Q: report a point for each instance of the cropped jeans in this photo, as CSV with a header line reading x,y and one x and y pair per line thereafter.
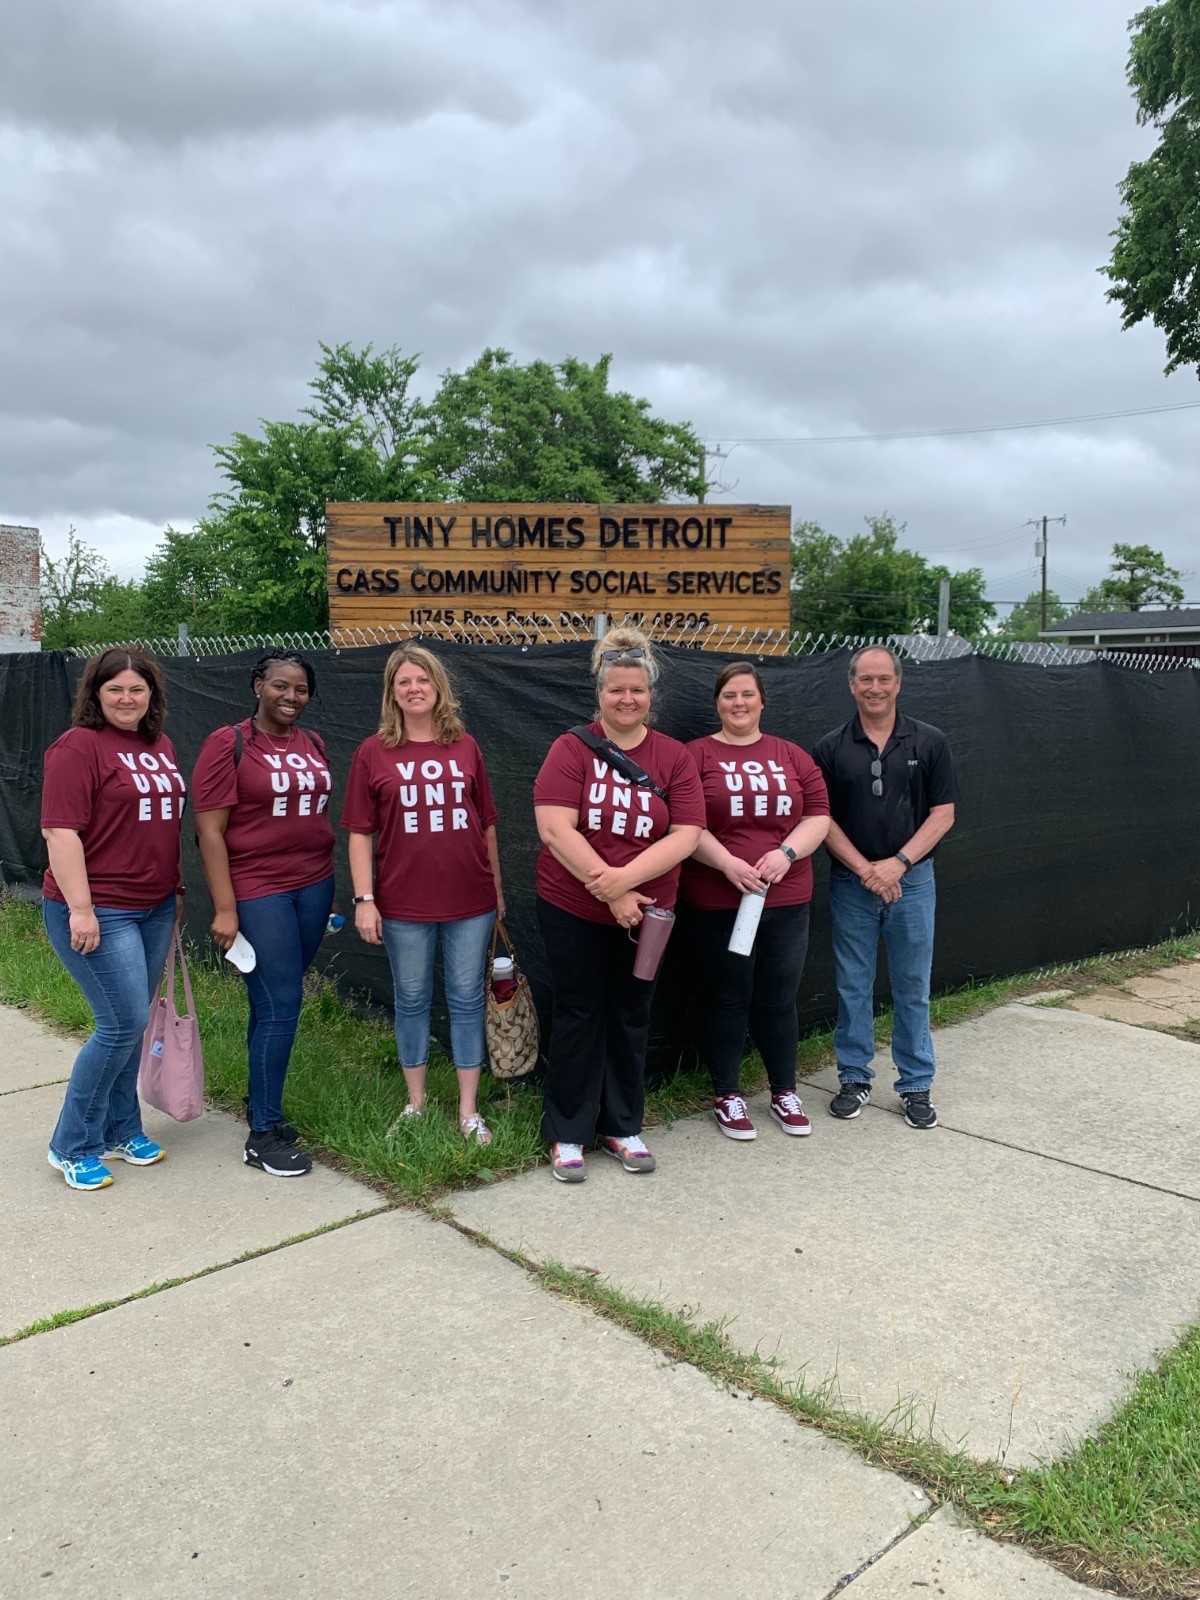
x,y
410,950
119,978
860,918
286,931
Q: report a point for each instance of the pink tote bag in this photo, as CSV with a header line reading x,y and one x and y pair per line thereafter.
x,y
171,1076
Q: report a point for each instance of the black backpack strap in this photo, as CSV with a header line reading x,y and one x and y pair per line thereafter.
x,y
618,760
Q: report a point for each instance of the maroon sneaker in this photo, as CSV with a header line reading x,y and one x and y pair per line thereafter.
x,y
788,1112
732,1118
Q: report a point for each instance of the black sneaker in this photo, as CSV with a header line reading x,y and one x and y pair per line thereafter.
x,y
918,1113
284,1129
273,1154
849,1100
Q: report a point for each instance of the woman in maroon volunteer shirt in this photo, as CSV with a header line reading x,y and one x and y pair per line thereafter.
x,y
112,803
766,812
261,791
426,868
610,847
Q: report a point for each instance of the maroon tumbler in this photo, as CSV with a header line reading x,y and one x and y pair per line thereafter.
x,y
652,941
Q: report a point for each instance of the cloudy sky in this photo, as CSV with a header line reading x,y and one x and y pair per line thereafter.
x,y
786,221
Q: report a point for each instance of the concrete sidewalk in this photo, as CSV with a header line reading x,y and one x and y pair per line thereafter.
x,y
389,1409
1001,1276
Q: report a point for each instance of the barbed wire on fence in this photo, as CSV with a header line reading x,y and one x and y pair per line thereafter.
x,y
535,630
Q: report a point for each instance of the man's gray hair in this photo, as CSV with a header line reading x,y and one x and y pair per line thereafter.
x,y
884,650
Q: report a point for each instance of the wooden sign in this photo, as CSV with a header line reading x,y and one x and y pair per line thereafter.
x,y
531,573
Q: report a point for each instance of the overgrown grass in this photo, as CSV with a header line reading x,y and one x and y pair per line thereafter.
x,y
1123,1511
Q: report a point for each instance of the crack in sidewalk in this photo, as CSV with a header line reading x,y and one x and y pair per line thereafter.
x,y
848,1578
1041,1155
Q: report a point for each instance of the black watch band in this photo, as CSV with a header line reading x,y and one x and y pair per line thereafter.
x,y
900,856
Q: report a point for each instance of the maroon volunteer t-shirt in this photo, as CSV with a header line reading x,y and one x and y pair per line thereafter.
x,y
754,795
429,806
617,819
125,799
279,835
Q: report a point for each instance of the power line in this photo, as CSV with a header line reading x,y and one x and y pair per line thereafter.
x,y
950,433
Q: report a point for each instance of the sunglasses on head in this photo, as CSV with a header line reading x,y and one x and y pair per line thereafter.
x,y
633,653
877,777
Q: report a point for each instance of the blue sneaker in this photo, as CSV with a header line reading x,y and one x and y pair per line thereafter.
x,y
138,1151
90,1173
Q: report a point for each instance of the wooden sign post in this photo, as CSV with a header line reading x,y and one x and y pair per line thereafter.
x,y
537,573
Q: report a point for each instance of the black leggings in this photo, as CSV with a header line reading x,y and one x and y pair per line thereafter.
x,y
757,991
596,1065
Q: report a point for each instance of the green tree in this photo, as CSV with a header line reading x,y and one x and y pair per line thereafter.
x,y
1155,264
1138,577
1024,621
867,586
498,431
82,602
501,431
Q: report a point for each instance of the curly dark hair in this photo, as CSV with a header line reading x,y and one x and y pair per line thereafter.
x,y
101,669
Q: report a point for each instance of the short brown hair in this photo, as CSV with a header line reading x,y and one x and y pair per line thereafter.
x,y
447,724
738,669
109,664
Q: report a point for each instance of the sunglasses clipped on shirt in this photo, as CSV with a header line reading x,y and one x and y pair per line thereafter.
x,y
877,777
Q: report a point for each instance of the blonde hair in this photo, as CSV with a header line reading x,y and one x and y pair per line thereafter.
x,y
614,644
447,724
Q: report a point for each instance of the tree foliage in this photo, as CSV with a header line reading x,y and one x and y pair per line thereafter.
x,y
82,601
498,431
501,431
868,586
1024,621
1138,577
1155,264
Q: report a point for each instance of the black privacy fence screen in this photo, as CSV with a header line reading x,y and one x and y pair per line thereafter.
x,y
1078,830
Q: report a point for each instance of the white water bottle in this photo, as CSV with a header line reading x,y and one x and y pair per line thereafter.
x,y
745,924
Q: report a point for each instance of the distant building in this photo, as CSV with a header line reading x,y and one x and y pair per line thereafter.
x,y
20,603
1164,633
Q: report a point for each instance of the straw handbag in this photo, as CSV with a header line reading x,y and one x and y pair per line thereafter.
x,y
510,1026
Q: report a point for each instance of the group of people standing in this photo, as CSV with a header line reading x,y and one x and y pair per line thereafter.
x,y
630,821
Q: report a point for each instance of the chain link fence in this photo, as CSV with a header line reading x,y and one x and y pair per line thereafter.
x,y
760,642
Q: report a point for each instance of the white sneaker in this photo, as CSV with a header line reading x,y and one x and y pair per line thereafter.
x,y
566,1163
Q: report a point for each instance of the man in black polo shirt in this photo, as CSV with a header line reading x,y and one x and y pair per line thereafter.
x,y
892,792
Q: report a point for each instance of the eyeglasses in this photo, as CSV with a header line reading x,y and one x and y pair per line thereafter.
x,y
877,778
633,653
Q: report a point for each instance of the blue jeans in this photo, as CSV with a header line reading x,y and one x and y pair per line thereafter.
x,y
410,949
859,918
118,979
286,931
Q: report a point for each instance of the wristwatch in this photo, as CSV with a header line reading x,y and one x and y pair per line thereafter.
x,y
900,856
788,851
364,899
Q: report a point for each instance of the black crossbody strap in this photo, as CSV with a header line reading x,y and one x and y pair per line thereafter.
x,y
618,760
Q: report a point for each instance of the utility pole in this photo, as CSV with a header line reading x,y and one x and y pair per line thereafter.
x,y
1040,548
943,608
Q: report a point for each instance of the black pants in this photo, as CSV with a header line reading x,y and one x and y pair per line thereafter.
x,y
757,991
596,1068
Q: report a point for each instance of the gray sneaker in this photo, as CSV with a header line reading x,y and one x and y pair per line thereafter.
x,y
849,1101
